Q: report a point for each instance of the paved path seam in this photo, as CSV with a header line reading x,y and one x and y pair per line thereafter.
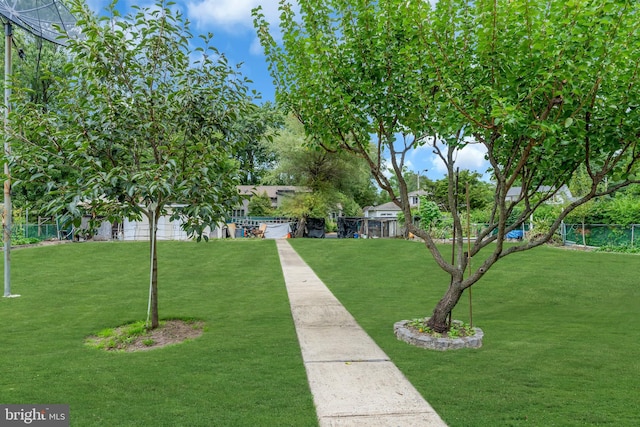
x,y
353,382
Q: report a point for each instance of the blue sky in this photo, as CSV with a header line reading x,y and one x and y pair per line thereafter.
x,y
232,25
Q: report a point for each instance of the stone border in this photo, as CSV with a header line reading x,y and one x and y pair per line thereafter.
x,y
407,335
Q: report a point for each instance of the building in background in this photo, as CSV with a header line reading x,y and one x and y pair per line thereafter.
x,y
390,209
276,193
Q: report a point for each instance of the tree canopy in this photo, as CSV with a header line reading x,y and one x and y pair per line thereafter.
x,y
254,155
34,71
480,192
543,87
142,124
335,177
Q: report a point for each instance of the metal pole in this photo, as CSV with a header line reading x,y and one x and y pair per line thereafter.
x,y
8,31
454,210
469,256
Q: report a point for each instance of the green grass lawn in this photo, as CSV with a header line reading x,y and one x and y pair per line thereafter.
x,y
562,339
246,370
562,343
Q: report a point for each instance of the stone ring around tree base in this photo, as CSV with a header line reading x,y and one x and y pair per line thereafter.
x,y
407,334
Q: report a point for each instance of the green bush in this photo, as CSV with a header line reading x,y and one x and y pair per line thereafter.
x,y
626,248
17,241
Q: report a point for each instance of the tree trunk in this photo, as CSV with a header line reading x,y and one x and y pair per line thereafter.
x,y
153,228
438,320
302,223
154,287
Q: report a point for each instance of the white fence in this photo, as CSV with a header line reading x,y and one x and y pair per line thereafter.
x,y
139,230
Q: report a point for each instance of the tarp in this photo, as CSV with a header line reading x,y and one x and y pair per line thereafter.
x,y
515,234
347,227
277,231
314,228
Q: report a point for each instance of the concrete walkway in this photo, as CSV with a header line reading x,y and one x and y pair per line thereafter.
x,y
352,380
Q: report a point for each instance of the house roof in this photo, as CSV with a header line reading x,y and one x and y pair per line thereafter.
x,y
271,190
514,191
563,190
389,206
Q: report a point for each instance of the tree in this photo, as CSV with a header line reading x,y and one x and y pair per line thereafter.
x,y
579,185
34,71
260,205
339,177
429,214
543,86
255,156
37,65
480,192
146,130
623,209
412,179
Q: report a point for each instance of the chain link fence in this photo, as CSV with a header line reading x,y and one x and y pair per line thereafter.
x,y
43,231
596,235
600,234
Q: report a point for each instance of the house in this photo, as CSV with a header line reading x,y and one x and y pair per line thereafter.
x,y
562,195
385,210
390,209
126,229
172,230
277,193
414,197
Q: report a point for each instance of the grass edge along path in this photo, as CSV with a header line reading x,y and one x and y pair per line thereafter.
x,y
246,369
561,338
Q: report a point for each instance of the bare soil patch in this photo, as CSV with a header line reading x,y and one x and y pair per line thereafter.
x,y
169,332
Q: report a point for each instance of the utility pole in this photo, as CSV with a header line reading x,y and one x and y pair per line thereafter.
x,y
6,219
418,176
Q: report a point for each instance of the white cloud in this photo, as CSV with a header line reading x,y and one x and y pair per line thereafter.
x,y
97,5
469,157
256,47
229,15
387,170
